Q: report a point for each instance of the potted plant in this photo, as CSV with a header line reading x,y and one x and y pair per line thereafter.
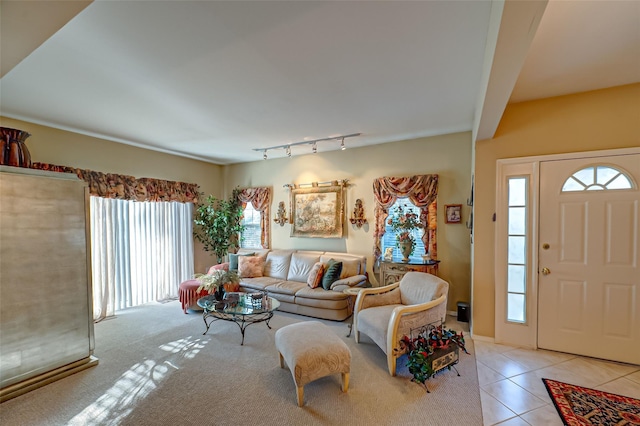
x,y
403,223
218,282
218,224
432,350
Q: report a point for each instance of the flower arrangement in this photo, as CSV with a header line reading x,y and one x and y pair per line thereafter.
x,y
403,222
424,345
215,281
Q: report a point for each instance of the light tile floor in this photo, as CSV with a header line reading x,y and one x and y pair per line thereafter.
x,y
511,387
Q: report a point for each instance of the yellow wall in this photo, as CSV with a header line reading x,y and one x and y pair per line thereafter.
x,y
603,119
449,156
49,145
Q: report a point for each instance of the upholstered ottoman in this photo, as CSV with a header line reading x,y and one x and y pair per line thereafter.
x,y
312,350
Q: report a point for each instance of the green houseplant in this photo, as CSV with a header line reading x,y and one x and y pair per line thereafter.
x,y
218,223
422,348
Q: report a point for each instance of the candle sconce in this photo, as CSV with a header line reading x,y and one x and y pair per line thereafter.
x,y
357,218
281,215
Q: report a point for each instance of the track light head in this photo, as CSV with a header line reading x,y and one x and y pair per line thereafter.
x,y
288,150
264,155
314,148
342,147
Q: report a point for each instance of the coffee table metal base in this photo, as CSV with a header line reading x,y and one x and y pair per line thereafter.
x,y
242,321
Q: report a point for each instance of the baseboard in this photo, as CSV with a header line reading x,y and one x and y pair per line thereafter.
x,y
46,378
482,338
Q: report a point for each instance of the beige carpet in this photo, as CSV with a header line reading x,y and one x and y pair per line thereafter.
x,y
156,368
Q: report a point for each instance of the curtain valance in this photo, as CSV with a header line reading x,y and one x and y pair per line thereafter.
x,y
260,199
422,190
109,185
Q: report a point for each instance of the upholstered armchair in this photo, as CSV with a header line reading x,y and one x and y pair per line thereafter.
x,y
385,314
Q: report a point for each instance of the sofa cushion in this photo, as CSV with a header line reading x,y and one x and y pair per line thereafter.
x,y
315,276
301,265
307,292
332,271
260,283
351,264
286,287
277,264
250,266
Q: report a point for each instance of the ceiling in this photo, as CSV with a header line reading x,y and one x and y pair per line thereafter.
x,y
217,80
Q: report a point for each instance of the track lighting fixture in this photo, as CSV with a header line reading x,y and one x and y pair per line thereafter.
x,y
314,144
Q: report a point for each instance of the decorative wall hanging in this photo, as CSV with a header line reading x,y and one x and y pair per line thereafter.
x,y
317,211
453,213
357,217
281,215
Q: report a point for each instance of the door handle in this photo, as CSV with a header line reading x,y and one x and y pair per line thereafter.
x,y
545,271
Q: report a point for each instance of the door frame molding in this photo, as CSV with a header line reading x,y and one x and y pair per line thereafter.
x,y
525,335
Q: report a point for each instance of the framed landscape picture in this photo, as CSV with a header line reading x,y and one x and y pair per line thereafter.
x,y
453,213
317,212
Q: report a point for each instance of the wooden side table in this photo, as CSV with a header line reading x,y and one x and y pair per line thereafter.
x,y
392,271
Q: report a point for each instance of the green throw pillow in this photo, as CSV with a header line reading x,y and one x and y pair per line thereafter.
x,y
332,272
233,260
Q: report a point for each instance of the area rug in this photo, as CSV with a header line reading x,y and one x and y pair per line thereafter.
x,y
580,406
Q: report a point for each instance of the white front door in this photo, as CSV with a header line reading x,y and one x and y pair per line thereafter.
x,y
589,257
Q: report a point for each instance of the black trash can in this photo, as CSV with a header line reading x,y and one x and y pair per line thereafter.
x,y
464,312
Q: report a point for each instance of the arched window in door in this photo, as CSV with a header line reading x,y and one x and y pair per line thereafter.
x,y
597,178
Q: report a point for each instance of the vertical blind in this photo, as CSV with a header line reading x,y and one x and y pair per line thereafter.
x,y
140,252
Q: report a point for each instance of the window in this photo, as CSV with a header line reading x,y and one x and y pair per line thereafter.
x,y
596,178
389,237
250,237
517,249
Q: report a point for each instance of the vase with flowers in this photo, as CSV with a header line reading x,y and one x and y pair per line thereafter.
x,y
403,222
217,282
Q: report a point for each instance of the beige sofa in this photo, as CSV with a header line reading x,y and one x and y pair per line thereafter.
x,y
285,276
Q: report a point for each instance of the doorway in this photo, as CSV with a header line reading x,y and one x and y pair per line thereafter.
x,y
579,235
588,261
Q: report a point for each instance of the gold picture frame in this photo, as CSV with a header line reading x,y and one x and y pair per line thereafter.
x,y
317,212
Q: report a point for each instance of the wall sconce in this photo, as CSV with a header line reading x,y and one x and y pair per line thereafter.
x,y
281,215
357,218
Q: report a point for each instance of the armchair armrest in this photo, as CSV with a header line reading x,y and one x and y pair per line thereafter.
x,y
392,331
367,293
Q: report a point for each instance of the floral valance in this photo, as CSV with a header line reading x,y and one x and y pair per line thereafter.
x,y
109,185
422,190
260,199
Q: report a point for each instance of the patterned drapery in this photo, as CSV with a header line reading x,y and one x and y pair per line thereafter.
x,y
109,185
422,190
260,198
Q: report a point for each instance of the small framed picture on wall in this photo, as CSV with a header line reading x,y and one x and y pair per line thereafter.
x,y
453,213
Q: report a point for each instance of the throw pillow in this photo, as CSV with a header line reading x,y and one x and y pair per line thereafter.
x,y
250,266
233,260
332,272
315,276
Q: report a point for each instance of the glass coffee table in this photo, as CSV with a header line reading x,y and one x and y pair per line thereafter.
x,y
243,309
